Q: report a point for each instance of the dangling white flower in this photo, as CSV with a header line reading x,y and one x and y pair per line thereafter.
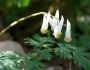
x,y
57,30
50,20
68,32
61,23
56,33
45,23
54,20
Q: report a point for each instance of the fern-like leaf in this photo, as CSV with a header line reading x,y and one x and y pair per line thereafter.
x,y
38,41
62,51
82,59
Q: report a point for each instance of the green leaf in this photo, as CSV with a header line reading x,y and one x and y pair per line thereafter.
x,y
10,55
33,64
80,56
19,4
64,51
82,59
47,45
67,46
37,50
8,60
44,39
22,3
32,42
1,66
49,39
26,3
30,56
37,37
45,54
11,65
38,41
86,54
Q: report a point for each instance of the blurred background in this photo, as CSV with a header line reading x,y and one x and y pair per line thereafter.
x,y
77,11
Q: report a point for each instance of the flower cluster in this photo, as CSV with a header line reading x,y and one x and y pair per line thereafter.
x,y
56,26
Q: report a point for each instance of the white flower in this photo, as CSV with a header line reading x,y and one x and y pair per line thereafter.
x,y
45,23
57,34
54,20
57,30
61,23
50,20
68,32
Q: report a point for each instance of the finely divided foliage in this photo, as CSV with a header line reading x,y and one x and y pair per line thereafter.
x,y
78,54
43,48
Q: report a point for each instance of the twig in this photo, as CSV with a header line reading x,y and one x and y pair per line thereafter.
x,y
21,19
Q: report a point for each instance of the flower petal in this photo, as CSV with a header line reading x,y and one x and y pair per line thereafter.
x,y
61,23
55,21
45,23
57,32
68,32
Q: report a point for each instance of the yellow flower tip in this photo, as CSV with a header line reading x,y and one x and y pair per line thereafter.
x,y
44,30
58,34
67,39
